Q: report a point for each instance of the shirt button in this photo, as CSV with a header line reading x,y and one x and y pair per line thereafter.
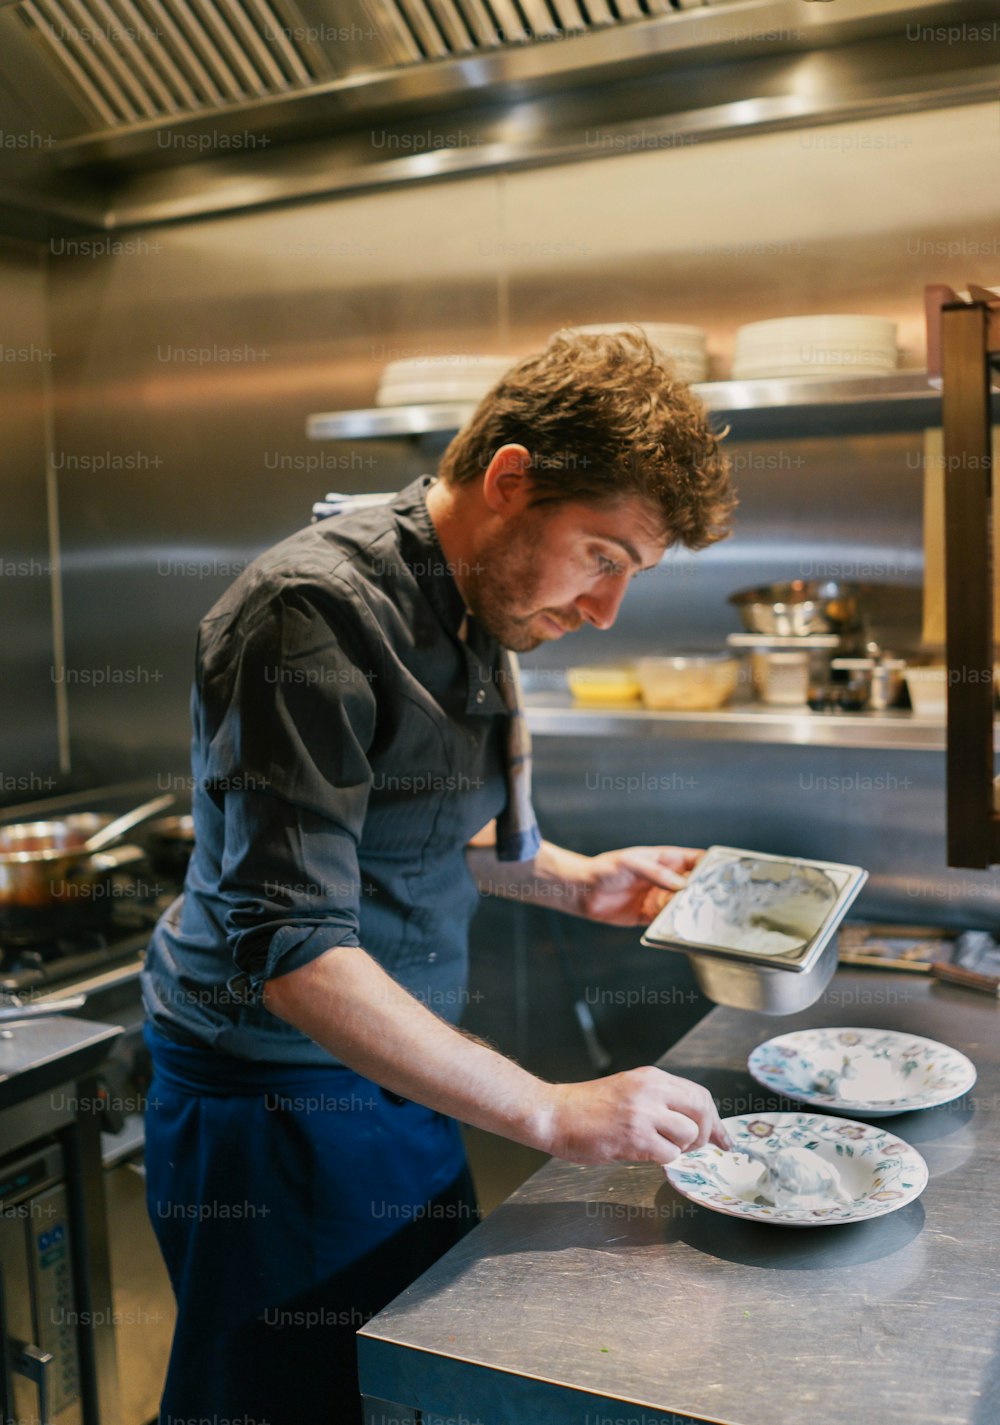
x,y
481,695
432,956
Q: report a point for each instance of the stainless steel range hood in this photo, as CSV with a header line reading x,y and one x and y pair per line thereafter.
x,y
117,112
127,62
125,66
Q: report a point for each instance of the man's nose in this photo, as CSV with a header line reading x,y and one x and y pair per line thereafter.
x,y
600,606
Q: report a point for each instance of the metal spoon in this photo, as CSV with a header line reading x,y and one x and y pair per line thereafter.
x,y
124,823
13,1009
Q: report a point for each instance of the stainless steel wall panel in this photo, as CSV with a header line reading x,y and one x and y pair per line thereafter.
x,y
197,351
837,219
29,761
188,363
880,810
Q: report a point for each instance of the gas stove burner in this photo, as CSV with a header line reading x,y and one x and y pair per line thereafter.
x,y
29,970
134,915
22,939
129,903
57,941
56,952
85,944
104,925
34,955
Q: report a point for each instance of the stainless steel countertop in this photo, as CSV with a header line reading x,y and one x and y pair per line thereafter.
x,y
599,1295
36,1054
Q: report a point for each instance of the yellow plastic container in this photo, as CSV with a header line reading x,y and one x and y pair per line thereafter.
x,y
613,686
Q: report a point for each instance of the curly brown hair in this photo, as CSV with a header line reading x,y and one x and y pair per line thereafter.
x,y
604,417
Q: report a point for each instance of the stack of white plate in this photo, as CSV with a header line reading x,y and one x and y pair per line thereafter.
x,y
815,346
684,346
429,380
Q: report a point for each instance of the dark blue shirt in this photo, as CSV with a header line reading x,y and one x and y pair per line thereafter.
x,y
346,746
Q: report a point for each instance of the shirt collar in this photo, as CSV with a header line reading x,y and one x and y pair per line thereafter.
x,y
422,552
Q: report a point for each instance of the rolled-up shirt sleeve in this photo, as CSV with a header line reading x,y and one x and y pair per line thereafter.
x,y
290,701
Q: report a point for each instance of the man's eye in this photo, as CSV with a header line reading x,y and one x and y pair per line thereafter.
x,y
608,566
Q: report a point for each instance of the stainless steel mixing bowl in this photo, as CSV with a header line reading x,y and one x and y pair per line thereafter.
x,y
800,607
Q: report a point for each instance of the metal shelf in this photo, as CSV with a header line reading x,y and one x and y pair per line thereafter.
x,y
806,405
386,422
753,722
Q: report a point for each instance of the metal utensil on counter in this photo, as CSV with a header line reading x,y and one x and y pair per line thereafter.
x,y
12,1009
117,828
969,979
975,963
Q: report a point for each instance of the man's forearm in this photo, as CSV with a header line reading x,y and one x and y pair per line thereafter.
x,y
348,1004
555,877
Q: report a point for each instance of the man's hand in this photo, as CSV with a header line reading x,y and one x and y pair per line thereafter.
x,y
644,1115
631,886
626,887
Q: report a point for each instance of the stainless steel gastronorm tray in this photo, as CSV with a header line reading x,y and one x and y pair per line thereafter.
x,y
846,882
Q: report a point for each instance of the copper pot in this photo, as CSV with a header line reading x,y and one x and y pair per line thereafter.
x,y
46,879
801,607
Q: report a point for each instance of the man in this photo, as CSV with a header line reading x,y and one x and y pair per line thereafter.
x,y
356,756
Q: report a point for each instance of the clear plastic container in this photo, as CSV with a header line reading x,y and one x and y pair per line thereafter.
x,y
690,682
928,690
782,677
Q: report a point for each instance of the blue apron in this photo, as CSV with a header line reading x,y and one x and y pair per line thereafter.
x,y
291,1203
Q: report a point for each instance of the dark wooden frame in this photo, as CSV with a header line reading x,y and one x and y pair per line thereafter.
x,y
964,348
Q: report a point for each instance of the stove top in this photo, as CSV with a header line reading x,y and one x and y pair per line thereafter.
x,y
43,962
111,924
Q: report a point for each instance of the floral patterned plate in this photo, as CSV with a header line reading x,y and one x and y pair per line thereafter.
x,y
873,1072
879,1172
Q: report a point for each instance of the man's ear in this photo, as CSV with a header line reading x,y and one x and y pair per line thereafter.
x,y
507,482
